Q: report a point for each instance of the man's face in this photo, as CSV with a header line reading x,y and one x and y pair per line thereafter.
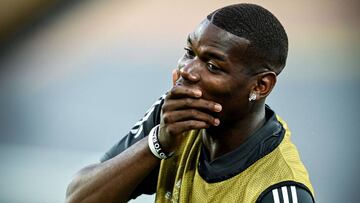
x,y
215,58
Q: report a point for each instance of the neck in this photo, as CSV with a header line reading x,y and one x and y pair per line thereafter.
x,y
223,139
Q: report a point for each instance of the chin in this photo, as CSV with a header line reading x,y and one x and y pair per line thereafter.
x,y
214,129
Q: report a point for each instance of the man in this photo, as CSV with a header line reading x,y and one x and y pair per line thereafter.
x,y
211,138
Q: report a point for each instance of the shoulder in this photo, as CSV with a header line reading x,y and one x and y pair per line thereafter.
x,y
287,193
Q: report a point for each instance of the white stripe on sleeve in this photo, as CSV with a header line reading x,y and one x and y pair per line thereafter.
x,y
294,194
285,194
276,196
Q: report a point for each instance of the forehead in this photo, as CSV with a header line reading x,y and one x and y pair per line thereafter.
x,y
208,35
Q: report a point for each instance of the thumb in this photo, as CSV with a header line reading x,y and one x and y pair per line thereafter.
x,y
175,75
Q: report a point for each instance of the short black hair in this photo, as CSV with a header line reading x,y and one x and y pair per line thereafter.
x,y
268,40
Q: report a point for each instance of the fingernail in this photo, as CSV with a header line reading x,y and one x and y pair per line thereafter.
x,y
216,122
193,77
197,93
218,107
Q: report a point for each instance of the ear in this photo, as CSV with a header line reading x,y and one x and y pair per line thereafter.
x,y
265,83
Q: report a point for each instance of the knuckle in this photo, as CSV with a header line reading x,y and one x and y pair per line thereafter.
x,y
210,105
192,124
209,119
172,91
164,107
188,102
194,112
188,91
169,93
167,97
166,118
169,131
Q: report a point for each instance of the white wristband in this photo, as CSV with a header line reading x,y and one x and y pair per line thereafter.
x,y
154,144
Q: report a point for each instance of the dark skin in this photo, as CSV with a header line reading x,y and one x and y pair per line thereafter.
x,y
211,91
213,66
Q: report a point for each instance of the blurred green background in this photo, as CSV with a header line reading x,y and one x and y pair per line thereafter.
x,y
76,75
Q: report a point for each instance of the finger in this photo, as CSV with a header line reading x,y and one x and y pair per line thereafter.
x,y
182,91
186,103
175,75
189,114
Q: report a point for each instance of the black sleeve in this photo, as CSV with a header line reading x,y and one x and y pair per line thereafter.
x,y
140,130
288,193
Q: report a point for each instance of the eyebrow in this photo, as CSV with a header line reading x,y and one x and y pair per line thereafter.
x,y
215,56
209,54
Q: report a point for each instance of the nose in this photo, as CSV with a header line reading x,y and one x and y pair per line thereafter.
x,y
190,72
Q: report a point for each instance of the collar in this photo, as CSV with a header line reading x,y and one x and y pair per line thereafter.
x,y
259,144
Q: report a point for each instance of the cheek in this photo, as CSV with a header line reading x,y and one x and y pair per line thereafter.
x,y
217,89
221,86
232,95
234,106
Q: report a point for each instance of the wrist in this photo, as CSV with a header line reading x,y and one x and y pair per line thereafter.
x,y
155,146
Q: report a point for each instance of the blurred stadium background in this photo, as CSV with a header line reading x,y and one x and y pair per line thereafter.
x,y
76,75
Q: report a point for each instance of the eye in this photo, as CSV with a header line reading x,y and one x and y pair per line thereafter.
x,y
189,53
212,68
